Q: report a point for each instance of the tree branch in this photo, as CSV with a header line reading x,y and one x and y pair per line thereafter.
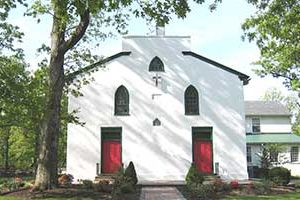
x,y
79,31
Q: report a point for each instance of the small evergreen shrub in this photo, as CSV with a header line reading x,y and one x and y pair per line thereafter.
x,y
123,184
280,175
88,184
194,176
131,173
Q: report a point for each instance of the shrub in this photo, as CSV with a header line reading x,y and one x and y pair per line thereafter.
x,y
131,173
122,184
65,179
88,184
194,176
280,175
220,186
262,173
234,184
103,186
202,191
262,187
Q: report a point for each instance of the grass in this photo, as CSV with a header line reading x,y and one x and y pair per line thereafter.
x,y
289,196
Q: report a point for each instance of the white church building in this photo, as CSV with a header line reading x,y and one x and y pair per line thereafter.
x,y
161,106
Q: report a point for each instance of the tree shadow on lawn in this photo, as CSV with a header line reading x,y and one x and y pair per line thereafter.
x,y
72,193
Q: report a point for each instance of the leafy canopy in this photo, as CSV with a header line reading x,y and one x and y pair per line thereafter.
x,y
275,28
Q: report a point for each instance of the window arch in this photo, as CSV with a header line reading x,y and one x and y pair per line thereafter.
x,y
156,65
191,101
122,101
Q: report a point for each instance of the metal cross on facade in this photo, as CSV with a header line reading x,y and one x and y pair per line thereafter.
x,y
156,78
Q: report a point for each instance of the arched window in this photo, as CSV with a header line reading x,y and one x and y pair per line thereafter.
x,y
156,65
122,101
191,101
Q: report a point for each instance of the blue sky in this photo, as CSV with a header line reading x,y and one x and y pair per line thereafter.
x,y
216,35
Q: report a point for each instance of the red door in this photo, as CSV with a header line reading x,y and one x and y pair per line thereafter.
x,y
111,156
203,156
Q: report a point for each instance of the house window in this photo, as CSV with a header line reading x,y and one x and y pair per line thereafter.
x,y
274,156
191,101
255,125
156,65
122,101
249,157
294,154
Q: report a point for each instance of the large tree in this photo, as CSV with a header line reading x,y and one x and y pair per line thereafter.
x,y
75,23
275,28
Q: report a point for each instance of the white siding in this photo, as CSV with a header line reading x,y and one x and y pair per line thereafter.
x,y
165,152
270,124
284,158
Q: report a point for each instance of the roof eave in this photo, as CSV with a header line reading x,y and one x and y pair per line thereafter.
x,y
243,77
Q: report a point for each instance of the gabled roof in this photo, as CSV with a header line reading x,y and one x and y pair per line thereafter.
x,y
285,138
243,77
73,75
265,108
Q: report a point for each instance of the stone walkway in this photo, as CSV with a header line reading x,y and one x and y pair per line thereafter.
x,y
161,193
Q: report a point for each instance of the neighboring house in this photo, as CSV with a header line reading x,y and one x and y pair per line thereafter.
x,y
269,122
160,105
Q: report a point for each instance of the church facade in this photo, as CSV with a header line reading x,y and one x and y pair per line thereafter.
x,y
161,106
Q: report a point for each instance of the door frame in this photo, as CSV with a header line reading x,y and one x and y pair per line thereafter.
x,y
205,134
106,131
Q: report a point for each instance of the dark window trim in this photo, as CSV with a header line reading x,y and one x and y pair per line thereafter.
x,y
296,159
196,135
257,125
186,106
126,92
156,65
107,130
249,153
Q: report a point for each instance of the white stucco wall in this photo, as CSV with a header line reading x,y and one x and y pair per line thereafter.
x,y
284,158
270,124
165,152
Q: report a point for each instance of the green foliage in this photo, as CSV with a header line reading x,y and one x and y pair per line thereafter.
x,y
265,158
23,97
131,173
202,191
221,186
290,101
276,31
280,175
263,187
122,184
88,184
194,176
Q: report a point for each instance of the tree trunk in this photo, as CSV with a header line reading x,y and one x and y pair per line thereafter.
x,y
6,149
46,175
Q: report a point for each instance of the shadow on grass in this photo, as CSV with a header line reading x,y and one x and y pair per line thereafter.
x,y
71,193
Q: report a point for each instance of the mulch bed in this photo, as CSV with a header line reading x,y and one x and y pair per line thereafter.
x,y
67,192
71,192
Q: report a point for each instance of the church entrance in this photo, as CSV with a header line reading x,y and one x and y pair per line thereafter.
x,y
202,149
111,150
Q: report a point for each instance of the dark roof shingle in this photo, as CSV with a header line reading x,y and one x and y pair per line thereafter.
x,y
266,108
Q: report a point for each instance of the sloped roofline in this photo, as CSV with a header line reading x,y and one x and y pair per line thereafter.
x,y
243,77
73,75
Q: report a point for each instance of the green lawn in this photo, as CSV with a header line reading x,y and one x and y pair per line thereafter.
x,y
15,198
289,196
